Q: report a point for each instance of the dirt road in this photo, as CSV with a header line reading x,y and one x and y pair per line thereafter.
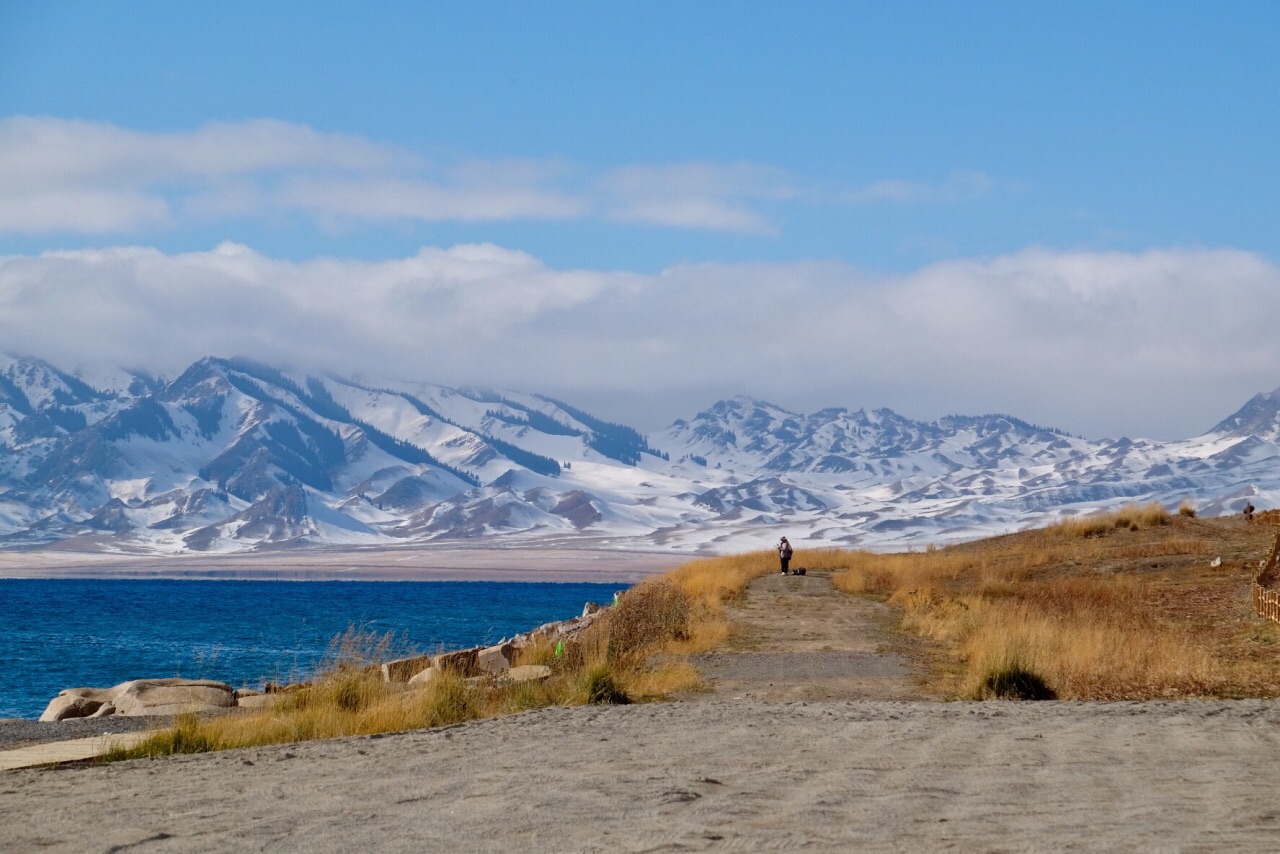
x,y
797,638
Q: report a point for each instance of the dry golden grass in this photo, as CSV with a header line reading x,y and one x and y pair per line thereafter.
x,y
1133,517
664,679
1168,548
1267,517
1122,606
360,703
349,698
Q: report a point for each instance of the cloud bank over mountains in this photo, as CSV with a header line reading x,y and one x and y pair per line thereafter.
x,y
1155,344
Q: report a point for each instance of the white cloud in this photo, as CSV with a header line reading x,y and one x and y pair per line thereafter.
x,y
41,152
62,176
706,214
959,186
707,196
81,209
86,177
1161,343
426,201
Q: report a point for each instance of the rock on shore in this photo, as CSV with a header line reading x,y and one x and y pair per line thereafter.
x,y
140,697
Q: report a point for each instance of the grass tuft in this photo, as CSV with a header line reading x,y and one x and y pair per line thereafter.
x,y
602,689
647,618
187,735
1013,681
1132,517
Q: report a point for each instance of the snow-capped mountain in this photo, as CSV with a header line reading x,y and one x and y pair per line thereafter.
x,y
236,455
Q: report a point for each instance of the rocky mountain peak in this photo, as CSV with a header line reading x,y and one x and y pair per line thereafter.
x,y
1260,417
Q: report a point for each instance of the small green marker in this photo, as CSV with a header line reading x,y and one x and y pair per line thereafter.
x,y
559,649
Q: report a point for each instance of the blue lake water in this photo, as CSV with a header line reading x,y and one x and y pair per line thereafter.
x,y
70,633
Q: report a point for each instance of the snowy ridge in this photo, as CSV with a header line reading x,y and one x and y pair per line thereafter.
x,y
234,455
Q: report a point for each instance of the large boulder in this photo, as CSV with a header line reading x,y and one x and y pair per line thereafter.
x,y
247,698
495,660
528,673
404,669
172,697
462,662
142,697
566,629
426,677
478,661
76,703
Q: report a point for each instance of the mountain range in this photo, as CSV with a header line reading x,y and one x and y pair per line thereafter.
x,y
235,455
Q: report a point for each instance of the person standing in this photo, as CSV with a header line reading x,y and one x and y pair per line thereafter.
x,y
784,555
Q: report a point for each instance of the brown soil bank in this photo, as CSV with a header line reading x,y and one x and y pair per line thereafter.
x,y
700,776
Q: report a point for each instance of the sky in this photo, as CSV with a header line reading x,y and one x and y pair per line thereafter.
x,y
1061,211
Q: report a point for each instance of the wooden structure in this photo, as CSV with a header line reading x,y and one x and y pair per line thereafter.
x,y
1266,587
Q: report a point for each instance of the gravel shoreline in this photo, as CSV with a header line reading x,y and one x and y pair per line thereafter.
x,y
18,732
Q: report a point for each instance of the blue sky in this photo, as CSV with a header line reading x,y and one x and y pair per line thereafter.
x,y
1057,167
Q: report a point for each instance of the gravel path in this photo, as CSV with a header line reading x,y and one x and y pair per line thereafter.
x,y
797,638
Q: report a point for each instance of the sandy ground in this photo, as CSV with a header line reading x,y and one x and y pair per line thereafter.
x,y
766,759
435,563
722,775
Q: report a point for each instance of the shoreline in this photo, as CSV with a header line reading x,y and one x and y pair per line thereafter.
x,y
410,564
